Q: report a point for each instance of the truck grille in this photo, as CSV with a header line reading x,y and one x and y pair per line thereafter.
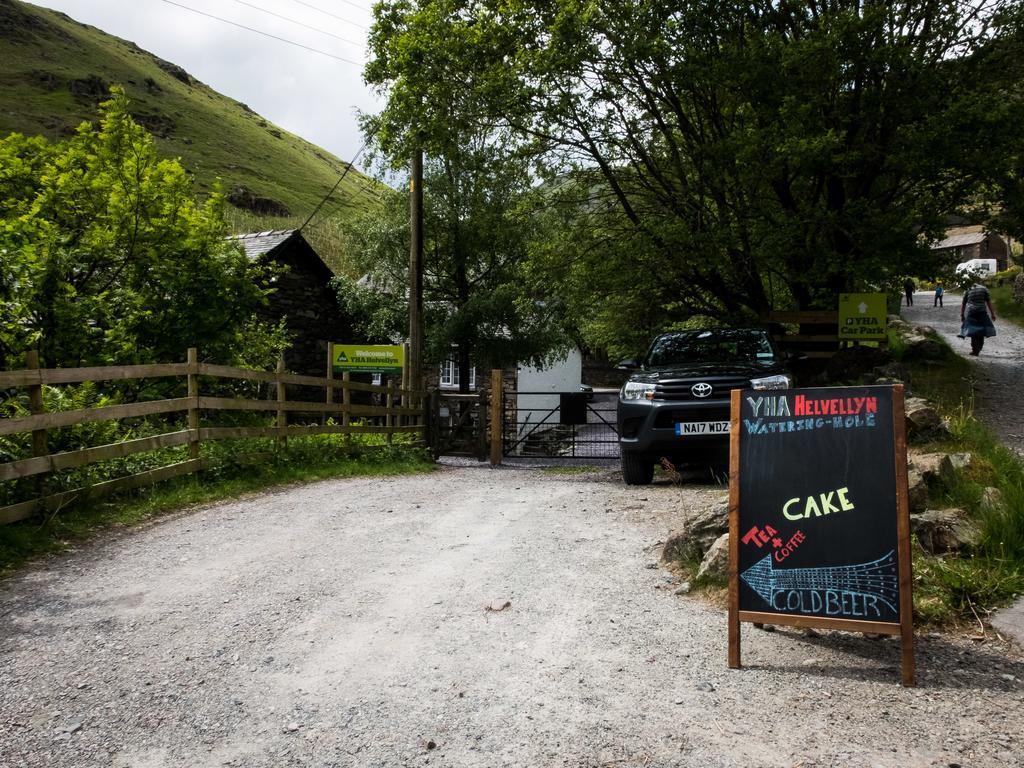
x,y
681,390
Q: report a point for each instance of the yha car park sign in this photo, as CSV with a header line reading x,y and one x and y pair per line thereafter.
x,y
862,317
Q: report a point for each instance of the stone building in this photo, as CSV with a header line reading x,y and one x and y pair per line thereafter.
x,y
302,296
972,242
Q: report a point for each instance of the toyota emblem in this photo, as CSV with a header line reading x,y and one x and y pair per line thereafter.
x,y
702,389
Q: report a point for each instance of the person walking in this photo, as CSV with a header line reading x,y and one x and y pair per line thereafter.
x,y
938,294
908,288
975,310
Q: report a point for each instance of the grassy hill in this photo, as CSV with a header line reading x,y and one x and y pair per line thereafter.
x,y
56,70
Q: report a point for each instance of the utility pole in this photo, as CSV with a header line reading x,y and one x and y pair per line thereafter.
x,y
415,361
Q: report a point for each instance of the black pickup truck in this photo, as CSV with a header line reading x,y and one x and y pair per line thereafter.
x,y
675,404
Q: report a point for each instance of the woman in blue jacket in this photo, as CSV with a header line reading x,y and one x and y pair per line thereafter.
x,y
974,314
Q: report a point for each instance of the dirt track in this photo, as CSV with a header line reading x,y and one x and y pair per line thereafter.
x,y
998,372
344,624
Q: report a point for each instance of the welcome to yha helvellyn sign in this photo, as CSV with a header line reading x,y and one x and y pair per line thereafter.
x,y
819,530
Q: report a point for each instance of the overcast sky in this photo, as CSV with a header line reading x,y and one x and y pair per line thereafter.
x,y
311,95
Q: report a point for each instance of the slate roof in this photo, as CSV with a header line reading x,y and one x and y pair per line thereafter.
x,y
958,241
258,244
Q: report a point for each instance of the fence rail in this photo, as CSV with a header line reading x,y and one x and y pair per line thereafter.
x,y
401,412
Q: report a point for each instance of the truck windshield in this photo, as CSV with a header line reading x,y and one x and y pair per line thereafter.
x,y
720,346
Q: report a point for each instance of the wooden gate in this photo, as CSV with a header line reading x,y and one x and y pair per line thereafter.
x,y
457,424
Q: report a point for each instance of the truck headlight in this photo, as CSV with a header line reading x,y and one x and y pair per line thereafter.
x,y
637,390
779,381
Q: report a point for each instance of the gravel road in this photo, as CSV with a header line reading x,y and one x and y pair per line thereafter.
x,y
999,371
345,623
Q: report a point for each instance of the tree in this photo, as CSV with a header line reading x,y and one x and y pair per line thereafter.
x,y
108,257
476,303
753,155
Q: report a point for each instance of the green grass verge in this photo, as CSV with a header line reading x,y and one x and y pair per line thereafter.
x,y
303,460
951,590
1006,307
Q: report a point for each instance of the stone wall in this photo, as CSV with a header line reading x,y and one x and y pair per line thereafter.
x,y
303,297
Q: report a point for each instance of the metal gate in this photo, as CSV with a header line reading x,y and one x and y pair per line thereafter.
x,y
560,425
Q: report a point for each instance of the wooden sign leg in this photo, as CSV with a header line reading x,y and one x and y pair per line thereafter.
x,y
734,639
734,533
907,665
906,579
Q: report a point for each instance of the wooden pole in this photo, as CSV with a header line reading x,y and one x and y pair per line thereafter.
x,y
497,409
434,420
346,401
329,389
193,409
407,378
907,665
36,405
282,417
389,417
481,426
415,360
734,532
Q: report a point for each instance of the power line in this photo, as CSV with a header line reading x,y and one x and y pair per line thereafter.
x,y
334,188
298,23
261,32
334,15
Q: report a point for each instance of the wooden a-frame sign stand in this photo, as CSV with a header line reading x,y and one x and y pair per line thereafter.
x,y
903,627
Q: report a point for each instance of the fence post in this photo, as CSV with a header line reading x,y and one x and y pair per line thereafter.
x,y
481,426
389,413
433,418
330,382
36,405
282,440
346,403
497,423
407,398
193,407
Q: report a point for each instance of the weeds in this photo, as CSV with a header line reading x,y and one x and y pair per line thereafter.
x,y
991,490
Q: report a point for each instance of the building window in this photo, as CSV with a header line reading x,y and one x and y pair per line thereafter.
x,y
450,375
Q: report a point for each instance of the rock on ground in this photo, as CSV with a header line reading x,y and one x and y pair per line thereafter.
x,y
698,531
945,530
716,561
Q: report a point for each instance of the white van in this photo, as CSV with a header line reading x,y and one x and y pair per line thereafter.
x,y
977,267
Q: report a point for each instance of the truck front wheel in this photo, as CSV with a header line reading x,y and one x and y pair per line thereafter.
x,y
636,470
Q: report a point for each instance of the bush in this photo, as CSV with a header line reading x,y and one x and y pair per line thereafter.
x,y
1007,276
107,256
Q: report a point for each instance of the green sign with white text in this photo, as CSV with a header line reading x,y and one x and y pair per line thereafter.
x,y
368,358
862,316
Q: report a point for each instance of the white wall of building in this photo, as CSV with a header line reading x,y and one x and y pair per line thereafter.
x,y
539,412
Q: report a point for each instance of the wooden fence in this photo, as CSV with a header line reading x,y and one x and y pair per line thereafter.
x,y
824,343
402,411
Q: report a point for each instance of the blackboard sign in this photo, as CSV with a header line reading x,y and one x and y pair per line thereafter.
x,y
819,527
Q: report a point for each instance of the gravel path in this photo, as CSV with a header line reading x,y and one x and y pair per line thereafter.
x,y
343,623
999,371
